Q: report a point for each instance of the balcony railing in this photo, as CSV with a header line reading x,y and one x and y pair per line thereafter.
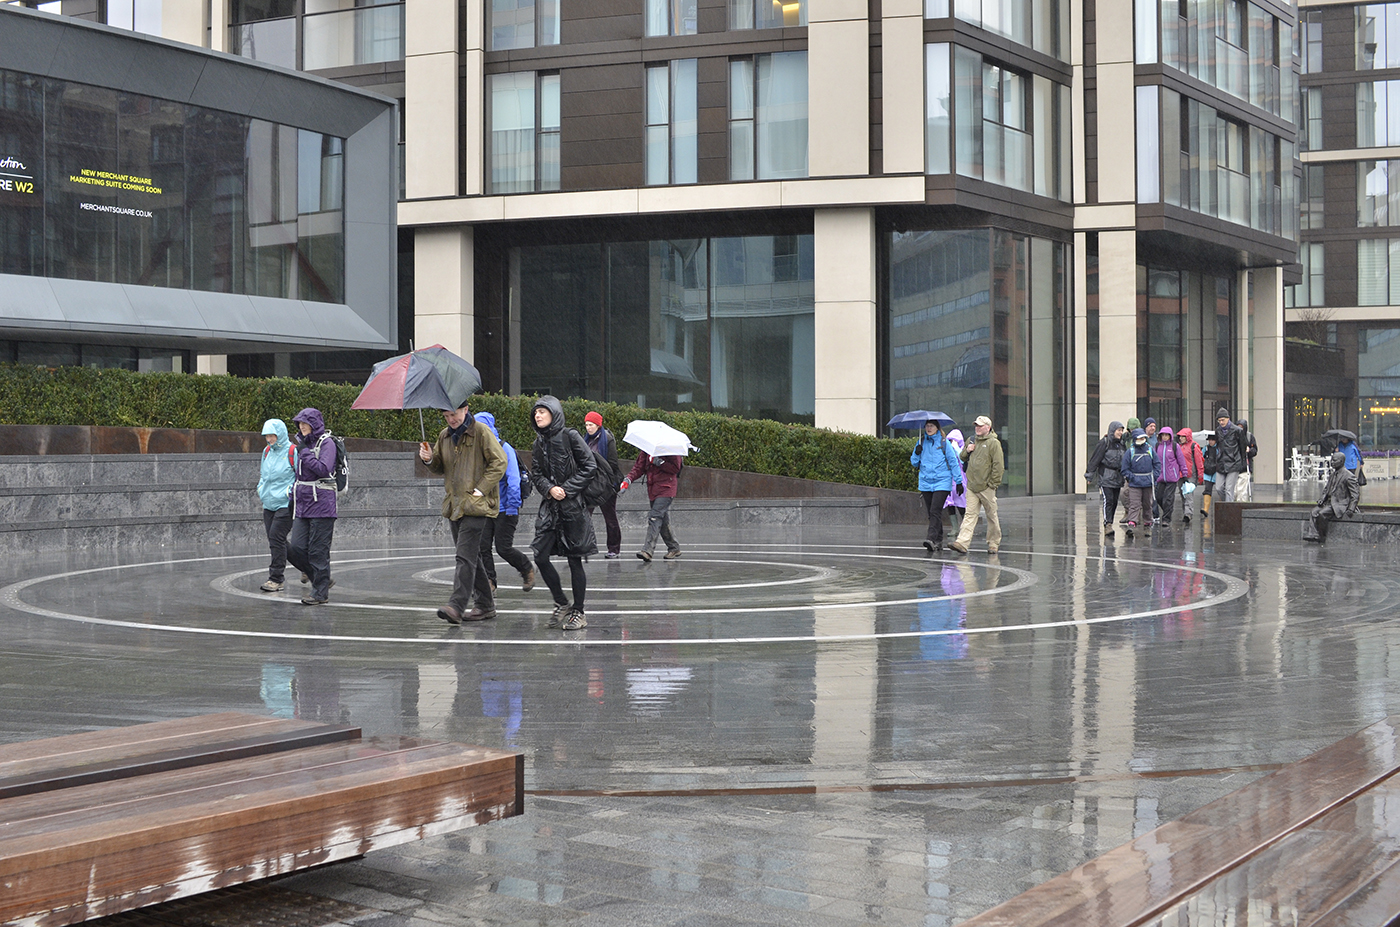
x,y
338,39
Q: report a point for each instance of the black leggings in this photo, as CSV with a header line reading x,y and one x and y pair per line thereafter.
x,y
551,577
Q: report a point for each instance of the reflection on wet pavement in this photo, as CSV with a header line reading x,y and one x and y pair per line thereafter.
x,y
783,726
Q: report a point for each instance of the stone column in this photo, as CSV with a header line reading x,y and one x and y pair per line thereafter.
x,y
902,103
186,22
1267,420
838,88
443,280
430,97
845,341
1117,326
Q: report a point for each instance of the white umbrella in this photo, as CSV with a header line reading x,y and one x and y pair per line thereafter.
x,y
658,439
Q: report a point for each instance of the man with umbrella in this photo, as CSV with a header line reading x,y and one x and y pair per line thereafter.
x,y
472,463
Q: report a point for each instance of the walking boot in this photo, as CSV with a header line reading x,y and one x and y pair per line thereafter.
x,y
527,580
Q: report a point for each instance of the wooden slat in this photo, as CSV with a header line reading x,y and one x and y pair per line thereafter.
x,y
100,756
196,839
155,812
1137,881
1311,871
134,735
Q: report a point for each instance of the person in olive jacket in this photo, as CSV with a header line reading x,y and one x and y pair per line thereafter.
x,y
472,463
561,465
986,464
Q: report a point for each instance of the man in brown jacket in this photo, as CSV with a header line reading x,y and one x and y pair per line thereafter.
x,y
472,463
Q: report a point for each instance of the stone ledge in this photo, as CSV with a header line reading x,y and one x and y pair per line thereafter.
x,y
1285,522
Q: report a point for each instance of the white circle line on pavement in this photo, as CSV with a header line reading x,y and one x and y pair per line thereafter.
x,y
1024,578
817,574
1234,588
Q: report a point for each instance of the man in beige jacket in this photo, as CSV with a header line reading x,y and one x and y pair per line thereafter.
x,y
985,464
472,463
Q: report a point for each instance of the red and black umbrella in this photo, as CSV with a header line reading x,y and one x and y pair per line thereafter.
x,y
429,378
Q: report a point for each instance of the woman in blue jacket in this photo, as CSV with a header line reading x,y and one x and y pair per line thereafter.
x,y
1141,470
275,490
939,472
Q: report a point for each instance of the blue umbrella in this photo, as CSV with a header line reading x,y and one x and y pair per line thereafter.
x,y
916,419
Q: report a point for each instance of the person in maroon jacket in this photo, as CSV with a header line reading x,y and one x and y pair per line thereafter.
x,y
662,476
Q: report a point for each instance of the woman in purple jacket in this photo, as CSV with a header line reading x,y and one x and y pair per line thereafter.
x,y
1172,471
313,505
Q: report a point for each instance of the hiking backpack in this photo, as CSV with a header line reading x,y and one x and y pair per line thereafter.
x,y
603,487
341,471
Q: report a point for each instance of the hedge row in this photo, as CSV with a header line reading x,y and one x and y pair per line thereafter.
x,y
88,396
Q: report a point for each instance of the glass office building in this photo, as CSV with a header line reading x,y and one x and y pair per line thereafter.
x,y
160,203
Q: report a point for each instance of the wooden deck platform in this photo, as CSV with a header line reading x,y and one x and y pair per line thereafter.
x,y
1315,843
93,824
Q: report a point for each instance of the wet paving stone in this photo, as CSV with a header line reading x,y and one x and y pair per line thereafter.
x,y
784,727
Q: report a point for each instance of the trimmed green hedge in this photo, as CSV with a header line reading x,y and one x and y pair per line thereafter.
x,y
88,396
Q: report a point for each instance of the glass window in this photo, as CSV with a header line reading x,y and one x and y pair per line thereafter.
x,y
524,132
1145,30
1377,196
512,24
1378,272
1310,41
938,138
1007,127
672,17
741,133
272,41
1311,201
337,38
721,324
136,15
768,116
671,152
780,112
1149,149
250,11
134,189
522,23
1377,36
1311,134
1039,24
766,14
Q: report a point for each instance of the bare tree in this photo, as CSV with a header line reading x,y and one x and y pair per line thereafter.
x,y
1312,322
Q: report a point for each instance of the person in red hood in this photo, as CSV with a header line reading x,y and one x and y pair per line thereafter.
x,y
1195,471
662,475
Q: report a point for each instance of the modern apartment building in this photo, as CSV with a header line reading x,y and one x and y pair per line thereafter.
x,y
1055,212
1344,361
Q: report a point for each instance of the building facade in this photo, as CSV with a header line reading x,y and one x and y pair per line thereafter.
x,y
1054,212
1343,318
163,207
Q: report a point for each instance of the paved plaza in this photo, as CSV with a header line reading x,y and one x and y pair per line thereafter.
x,y
785,726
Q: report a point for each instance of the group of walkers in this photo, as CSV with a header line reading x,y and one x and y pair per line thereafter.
x,y
961,476
1145,469
485,488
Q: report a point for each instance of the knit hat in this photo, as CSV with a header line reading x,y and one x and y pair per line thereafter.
x,y
1150,421
1133,423
595,418
1221,414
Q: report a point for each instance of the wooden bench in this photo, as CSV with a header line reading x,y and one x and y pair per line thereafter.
x,y
93,824
1314,843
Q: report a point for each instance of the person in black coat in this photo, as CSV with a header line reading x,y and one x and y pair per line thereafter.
x,y
561,465
1105,465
